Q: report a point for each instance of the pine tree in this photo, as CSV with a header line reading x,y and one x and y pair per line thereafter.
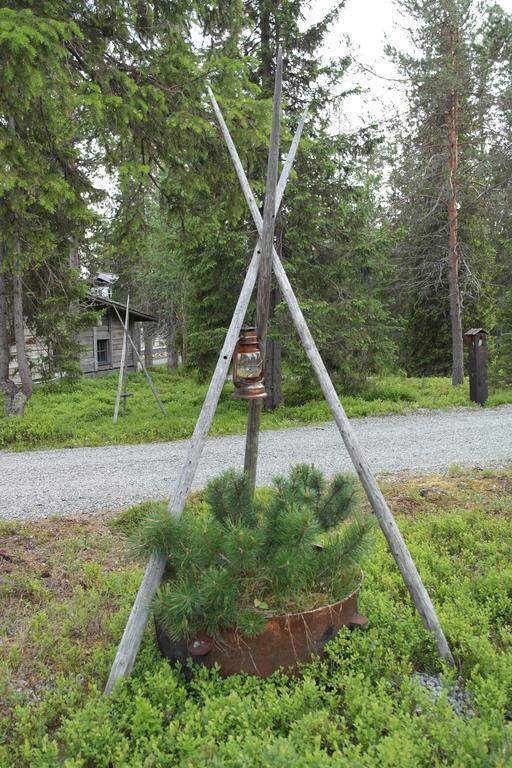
x,y
238,560
442,185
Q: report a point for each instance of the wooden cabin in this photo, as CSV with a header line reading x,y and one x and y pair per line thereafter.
x,y
102,344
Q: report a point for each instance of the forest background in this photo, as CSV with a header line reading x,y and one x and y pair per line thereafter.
x,y
397,235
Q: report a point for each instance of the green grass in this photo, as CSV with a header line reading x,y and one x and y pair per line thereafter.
x,y
69,415
66,590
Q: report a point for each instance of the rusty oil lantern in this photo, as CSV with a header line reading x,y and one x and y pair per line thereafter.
x,y
248,376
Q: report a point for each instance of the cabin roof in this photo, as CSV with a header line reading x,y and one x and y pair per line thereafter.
x,y
100,302
105,277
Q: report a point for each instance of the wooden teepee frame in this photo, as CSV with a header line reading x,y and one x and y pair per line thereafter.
x,y
264,259
121,383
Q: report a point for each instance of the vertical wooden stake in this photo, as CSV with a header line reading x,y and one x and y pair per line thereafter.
x,y
123,356
146,372
95,348
263,296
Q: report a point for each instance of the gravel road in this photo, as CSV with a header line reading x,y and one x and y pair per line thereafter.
x,y
68,481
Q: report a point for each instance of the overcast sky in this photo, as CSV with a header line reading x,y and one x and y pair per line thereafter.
x,y
369,24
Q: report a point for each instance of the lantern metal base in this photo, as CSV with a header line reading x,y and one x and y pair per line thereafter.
x,y
254,391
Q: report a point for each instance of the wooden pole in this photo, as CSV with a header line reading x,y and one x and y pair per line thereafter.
x,y
265,274
132,636
146,373
123,356
386,520
384,515
125,386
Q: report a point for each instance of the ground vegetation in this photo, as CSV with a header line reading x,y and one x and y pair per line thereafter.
x,y
67,414
67,587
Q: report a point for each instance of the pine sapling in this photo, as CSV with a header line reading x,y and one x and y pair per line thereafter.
x,y
232,562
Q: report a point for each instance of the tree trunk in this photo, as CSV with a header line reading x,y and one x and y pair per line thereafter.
x,y
266,47
273,372
149,335
74,253
16,395
184,338
170,338
74,306
4,336
453,249
137,340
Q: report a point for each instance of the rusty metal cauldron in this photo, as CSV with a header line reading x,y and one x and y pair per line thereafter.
x,y
288,640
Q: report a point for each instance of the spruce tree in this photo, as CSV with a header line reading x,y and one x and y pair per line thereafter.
x,y
329,232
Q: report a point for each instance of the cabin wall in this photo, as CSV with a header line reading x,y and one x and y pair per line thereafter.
x,y
36,353
110,330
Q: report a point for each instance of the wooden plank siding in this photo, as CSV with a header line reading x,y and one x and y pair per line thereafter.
x,y
108,328
36,353
111,330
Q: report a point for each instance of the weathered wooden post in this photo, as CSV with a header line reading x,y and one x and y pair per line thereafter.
x,y
122,371
477,341
265,275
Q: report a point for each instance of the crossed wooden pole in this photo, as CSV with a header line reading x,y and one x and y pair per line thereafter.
x,y
122,367
264,259
122,370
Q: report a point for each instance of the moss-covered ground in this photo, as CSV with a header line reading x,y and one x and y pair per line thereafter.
x,y
66,587
62,414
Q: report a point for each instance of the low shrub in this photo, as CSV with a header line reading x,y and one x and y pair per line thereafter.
x,y
359,707
72,414
233,561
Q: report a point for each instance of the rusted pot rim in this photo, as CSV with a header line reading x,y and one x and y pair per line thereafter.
x,y
323,607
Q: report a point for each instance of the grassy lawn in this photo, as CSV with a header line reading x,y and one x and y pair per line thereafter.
x,y
66,587
69,415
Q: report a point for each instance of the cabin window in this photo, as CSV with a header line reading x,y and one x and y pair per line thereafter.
x,y
102,351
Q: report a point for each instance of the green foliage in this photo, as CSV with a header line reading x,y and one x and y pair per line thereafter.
x,y
478,76
234,561
334,243
356,708
130,519
112,88
75,414
336,247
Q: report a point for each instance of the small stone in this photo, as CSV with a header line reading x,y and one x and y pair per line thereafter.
x,y
424,492
459,699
